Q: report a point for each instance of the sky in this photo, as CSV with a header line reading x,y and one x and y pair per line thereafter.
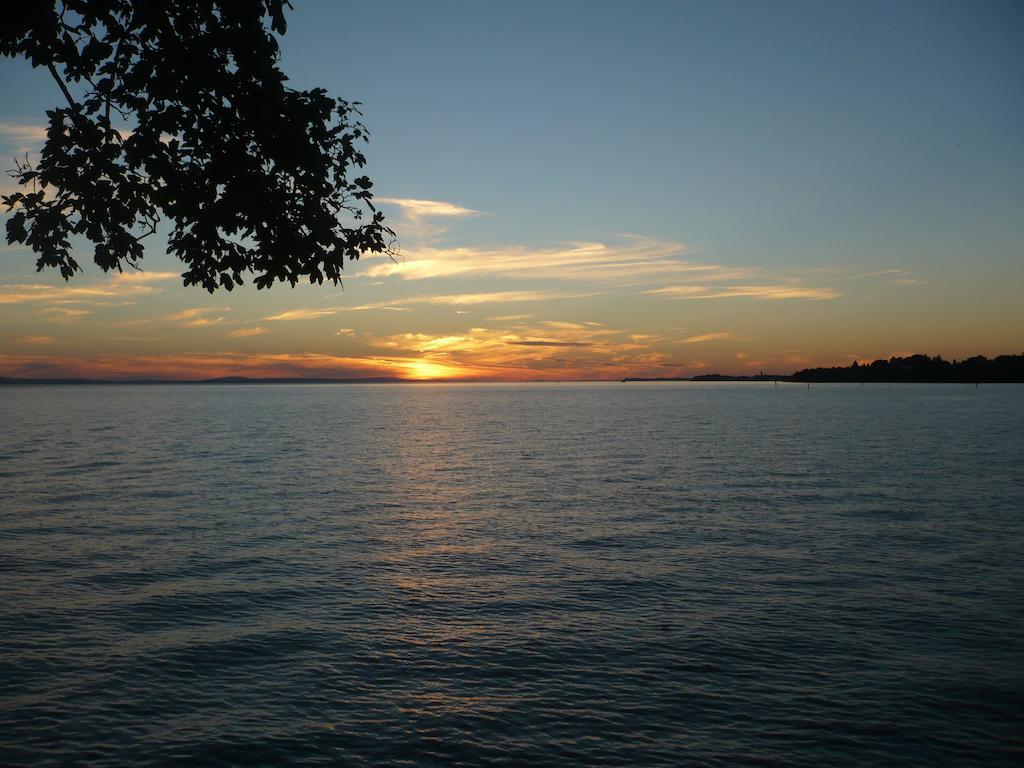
x,y
595,190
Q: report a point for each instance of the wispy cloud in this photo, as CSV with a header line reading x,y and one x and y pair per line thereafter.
x,y
145,276
187,314
892,276
877,273
773,292
501,297
418,220
305,314
198,317
19,138
71,294
311,313
398,305
35,340
417,208
549,343
242,333
65,313
28,135
707,337
21,133
564,325
632,261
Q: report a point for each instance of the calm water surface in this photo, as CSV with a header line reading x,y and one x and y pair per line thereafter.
x,y
716,575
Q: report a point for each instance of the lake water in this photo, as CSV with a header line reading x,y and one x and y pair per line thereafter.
x,y
445,575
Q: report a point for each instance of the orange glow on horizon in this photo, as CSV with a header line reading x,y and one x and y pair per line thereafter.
x,y
425,370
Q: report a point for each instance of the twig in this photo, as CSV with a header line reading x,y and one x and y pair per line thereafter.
x,y
64,88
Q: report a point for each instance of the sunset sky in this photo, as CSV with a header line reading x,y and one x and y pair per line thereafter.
x,y
593,190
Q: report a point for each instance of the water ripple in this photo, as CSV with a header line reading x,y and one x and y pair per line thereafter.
x,y
468,575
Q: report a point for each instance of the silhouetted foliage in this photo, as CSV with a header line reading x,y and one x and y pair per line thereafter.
x,y
919,368
1004,368
254,176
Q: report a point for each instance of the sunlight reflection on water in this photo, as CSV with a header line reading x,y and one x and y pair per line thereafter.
x,y
452,574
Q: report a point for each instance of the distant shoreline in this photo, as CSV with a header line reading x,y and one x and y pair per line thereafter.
x,y
791,380
916,369
15,381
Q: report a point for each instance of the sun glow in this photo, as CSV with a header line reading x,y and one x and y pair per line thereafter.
x,y
426,369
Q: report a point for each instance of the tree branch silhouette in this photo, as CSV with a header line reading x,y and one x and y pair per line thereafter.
x,y
251,175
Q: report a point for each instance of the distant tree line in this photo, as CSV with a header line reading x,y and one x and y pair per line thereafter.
x,y
973,370
1004,368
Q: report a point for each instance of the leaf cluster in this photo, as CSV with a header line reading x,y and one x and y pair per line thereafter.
x,y
178,110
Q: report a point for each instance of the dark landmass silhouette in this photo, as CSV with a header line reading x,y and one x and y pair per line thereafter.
x,y
921,368
8,380
1004,369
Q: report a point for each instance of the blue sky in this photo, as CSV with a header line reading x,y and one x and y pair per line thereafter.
x,y
866,157
776,127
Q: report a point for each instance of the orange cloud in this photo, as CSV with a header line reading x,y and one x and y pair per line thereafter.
x,y
547,350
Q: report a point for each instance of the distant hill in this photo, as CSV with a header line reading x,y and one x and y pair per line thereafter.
x,y
921,368
1008,369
